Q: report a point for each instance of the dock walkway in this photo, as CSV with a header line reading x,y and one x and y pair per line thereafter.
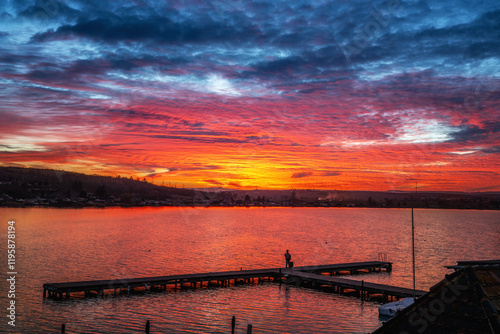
x,y
463,264
57,290
341,284
304,274
353,267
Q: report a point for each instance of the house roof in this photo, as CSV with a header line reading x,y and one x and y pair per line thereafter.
x,y
466,301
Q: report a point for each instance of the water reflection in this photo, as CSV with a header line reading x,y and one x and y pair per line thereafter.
x,y
69,245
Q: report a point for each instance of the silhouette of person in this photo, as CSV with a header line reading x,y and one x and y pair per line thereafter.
x,y
288,257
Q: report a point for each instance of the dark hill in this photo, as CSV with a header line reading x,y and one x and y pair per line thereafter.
x,y
25,186
45,187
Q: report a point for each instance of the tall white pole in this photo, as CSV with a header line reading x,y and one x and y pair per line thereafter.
x,y
413,249
413,241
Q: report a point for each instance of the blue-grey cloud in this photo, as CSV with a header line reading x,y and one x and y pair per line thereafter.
x,y
301,175
384,60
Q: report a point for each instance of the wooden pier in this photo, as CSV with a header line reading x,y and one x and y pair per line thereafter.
x,y
342,285
159,283
463,264
306,275
351,268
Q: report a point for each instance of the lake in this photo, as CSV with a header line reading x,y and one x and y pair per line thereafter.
x,y
57,245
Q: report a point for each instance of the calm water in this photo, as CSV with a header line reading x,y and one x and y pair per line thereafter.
x,y
56,245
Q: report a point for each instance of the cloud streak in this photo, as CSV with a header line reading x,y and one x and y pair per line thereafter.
x,y
272,94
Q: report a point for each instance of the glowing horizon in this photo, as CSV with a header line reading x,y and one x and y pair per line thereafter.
x,y
243,95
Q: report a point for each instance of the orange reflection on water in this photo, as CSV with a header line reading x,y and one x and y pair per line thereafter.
x,y
58,245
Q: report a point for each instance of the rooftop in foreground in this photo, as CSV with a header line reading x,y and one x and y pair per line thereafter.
x,y
466,301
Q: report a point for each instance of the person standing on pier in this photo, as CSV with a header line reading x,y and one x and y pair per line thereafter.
x,y
288,257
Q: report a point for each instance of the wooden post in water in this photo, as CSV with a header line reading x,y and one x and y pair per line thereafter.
x,y
63,328
233,324
148,325
362,290
249,329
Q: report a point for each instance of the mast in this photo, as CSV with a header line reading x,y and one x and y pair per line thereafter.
x,y
413,242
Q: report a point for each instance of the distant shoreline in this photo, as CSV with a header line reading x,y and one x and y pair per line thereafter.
x,y
45,188
231,206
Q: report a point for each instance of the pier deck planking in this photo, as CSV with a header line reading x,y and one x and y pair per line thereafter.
x,y
300,274
345,283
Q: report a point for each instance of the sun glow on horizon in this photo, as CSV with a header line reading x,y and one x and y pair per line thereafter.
x,y
253,95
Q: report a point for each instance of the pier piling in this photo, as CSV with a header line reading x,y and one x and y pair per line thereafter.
x,y
318,276
362,290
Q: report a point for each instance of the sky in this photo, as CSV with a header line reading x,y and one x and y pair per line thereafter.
x,y
351,95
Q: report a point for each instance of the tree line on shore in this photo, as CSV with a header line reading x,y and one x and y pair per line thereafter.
x,y
21,187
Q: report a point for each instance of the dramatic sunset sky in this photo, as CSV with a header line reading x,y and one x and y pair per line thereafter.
x,y
241,94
